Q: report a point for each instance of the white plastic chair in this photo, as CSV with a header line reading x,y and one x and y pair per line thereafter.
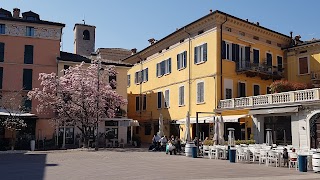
x,y
241,156
213,152
272,158
293,160
263,156
206,151
121,143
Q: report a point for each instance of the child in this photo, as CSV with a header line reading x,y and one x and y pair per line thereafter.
x,y
285,157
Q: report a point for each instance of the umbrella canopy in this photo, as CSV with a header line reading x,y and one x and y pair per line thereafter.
x,y
269,137
160,133
187,132
216,130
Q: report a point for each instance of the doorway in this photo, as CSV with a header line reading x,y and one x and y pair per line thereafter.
x,y
315,131
203,130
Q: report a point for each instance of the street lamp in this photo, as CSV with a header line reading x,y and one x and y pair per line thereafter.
x,y
97,123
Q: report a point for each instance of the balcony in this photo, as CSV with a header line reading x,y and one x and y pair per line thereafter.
x,y
301,96
315,78
263,70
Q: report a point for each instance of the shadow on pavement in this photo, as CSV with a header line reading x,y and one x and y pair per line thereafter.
x,y
23,166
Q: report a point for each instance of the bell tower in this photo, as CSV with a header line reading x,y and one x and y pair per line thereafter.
x,y
84,39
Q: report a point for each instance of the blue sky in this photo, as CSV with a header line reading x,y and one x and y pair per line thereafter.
x,y
130,23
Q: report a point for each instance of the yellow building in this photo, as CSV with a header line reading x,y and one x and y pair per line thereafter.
x,y
218,56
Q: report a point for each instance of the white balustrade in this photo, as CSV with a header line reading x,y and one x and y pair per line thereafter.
x,y
272,99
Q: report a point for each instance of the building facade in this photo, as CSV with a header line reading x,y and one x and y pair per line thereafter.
x,y
218,56
28,46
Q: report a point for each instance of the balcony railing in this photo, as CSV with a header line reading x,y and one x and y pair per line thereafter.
x,y
257,69
300,96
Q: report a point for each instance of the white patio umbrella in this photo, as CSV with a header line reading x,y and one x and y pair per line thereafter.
x,y
269,137
221,131
160,133
187,132
216,130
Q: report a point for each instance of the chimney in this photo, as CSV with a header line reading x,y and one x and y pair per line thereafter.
x,y
133,51
258,23
291,34
210,10
16,13
247,20
151,41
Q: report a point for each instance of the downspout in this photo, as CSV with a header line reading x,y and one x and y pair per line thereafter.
x,y
221,44
189,74
140,93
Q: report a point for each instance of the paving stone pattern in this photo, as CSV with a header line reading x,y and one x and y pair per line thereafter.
x,y
133,164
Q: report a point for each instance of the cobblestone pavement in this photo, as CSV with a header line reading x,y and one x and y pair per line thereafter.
x,y
133,164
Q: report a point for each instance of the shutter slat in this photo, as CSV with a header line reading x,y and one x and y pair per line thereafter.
x,y
185,58
195,55
205,52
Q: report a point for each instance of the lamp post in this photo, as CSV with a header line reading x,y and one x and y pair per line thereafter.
x,y
96,147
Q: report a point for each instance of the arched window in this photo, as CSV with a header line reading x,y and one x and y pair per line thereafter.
x,y
86,35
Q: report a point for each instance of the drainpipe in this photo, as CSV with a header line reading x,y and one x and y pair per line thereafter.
x,y
221,44
140,94
189,74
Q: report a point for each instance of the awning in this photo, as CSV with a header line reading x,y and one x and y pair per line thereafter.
x,y
233,118
274,110
134,123
201,120
21,114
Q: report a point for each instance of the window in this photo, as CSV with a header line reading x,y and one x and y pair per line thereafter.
x,y
226,50
113,81
141,76
128,80
269,59
268,90
182,60
228,93
303,65
228,29
268,41
279,45
27,79
256,56
166,98
1,52
144,104
65,67
86,35
30,31
164,67
112,129
200,92
200,53
2,28
137,103
1,77
242,89
242,33
256,90
27,104
256,38
181,96
31,18
147,129
28,54
159,100
280,63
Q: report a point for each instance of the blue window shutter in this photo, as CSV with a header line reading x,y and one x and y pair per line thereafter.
x,y
1,52
236,53
205,52
178,66
195,55
169,63
247,53
157,73
185,58
223,50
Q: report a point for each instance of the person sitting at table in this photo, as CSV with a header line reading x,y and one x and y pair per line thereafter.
x,y
178,144
163,141
170,148
285,157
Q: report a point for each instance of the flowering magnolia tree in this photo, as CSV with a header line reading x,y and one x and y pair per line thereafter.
x,y
75,96
11,103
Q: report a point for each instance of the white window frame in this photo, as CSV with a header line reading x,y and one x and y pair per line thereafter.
x,y
308,61
228,43
4,28
181,60
199,48
167,101
200,102
253,89
166,66
179,103
28,31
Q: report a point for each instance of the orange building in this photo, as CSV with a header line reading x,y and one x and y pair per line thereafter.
x,y
28,46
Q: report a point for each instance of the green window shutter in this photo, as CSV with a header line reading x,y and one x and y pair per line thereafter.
x,y
169,64
233,52
1,52
237,53
28,54
185,58
27,79
195,55
1,77
178,61
223,50
205,52
147,74
157,73
247,53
